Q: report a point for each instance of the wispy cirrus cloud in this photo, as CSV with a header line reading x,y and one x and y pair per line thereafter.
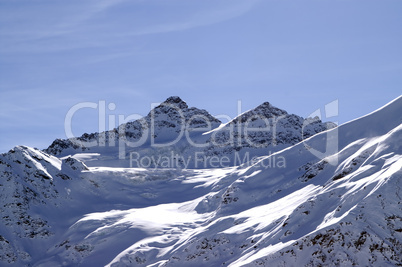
x,y
84,24
48,25
206,17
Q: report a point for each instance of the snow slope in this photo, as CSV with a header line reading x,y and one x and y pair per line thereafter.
x,y
344,209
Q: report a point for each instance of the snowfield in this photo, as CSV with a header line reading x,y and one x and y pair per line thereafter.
x,y
343,210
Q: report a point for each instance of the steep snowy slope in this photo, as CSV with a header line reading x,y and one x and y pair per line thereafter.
x,y
344,209
43,196
310,213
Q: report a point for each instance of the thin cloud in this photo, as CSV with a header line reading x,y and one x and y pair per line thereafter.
x,y
205,18
28,31
93,10
77,27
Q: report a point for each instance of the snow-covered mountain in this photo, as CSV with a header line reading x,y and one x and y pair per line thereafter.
x,y
194,135
273,129
164,123
345,209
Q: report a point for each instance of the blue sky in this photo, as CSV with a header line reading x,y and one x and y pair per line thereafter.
x,y
298,55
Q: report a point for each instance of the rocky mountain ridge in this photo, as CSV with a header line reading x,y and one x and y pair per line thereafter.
x,y
173,126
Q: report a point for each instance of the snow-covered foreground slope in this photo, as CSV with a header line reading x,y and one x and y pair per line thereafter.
x,y
345,209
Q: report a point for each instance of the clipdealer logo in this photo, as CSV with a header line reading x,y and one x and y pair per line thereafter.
x,y
236,135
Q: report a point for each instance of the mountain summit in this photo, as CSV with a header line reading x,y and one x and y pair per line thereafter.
x,y
265,110
175,100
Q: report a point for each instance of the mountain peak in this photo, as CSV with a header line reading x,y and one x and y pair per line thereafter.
x,y
175,107
269,110
263,111
176,101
